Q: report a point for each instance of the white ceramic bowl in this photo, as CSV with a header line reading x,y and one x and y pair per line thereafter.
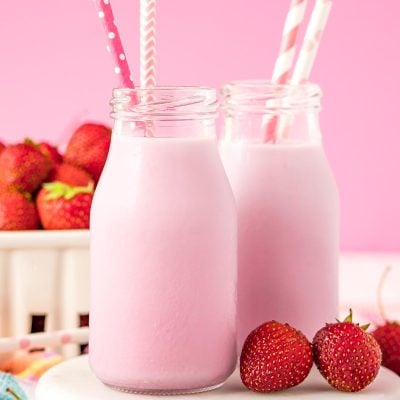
x,y
43,273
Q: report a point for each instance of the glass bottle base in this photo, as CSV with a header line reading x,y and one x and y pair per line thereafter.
x,y
166,392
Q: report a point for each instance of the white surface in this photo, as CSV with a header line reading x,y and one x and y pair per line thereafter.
x,y
73,380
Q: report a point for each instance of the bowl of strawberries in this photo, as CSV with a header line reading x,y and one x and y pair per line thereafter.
x,y
43,189
45,200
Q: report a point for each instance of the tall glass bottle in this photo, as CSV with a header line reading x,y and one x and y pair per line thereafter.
x,y
288,208
163,248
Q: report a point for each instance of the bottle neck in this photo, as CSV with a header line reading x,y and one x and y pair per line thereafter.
x,y
167,112
260,112
281,128
172,129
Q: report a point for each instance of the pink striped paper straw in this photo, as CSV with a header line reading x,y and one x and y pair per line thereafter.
x,y
148,53
287,51
114,45
312,40
147,43
307,55
45,339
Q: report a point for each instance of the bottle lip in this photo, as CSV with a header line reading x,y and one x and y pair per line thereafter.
x,y
268,85
165,103
264,96
164,88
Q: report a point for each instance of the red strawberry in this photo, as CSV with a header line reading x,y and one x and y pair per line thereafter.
x,y
70,174
88,148
51,152
275,356
347,356
2,186
17,212
62,206
47,150
388,337
23,167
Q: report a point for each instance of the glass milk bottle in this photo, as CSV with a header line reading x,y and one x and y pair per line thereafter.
x,y
288,208
163,248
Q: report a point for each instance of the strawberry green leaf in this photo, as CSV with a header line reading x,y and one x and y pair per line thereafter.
x,y
30,142
27,195
56,190
349,318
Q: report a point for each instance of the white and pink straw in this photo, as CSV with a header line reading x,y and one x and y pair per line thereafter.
x,y
285,59
147,48
148,53
276,127
287,50
312,40
148,44
45,339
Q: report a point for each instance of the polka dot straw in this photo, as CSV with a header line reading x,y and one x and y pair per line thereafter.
x,y
44,339
114,45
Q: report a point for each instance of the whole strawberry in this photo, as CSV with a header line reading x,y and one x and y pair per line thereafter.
x,y
47,150
388,337
62,206
2,185
347,356
51,152
70,174
23,167
88,148
17,212
275,357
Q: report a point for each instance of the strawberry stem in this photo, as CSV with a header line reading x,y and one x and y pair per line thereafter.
x,y
381,284
30,142
365,327
349,318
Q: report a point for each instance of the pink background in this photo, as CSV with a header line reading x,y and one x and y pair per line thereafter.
x,y
55,72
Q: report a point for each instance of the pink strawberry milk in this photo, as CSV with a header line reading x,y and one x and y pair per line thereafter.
x,y
163,248
288,209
